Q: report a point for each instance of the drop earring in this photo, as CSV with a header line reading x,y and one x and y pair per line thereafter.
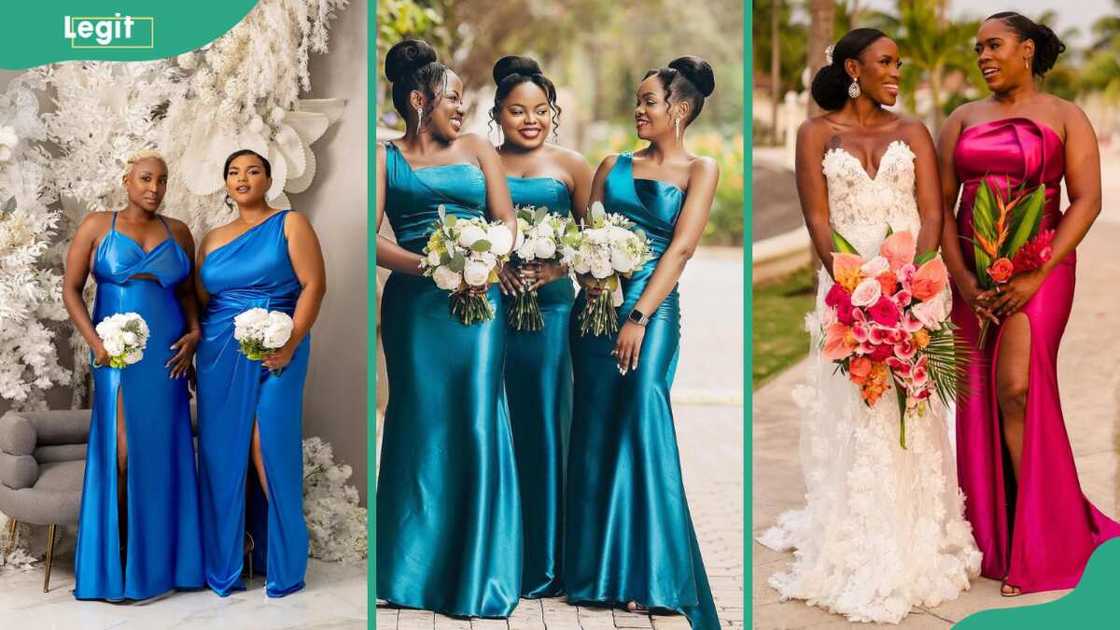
x,y
419,118
853,89
677,123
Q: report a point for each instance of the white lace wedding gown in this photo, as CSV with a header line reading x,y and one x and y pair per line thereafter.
x,y
883,528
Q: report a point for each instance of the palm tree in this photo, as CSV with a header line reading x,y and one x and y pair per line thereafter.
x,y
822,27
1102,69
933,48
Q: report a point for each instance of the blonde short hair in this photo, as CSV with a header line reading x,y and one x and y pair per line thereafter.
x,y
140,156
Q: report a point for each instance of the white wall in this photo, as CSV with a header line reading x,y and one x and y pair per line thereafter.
x,y
335,394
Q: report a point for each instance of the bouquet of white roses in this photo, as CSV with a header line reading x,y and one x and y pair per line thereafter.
x,y
540,236
260,331
605,250
124,335
463,256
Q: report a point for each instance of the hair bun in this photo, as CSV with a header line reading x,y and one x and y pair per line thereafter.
x,y
513,64
697,71
407,56
1047,49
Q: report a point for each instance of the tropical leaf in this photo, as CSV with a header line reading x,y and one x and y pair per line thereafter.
x,y
1028,220
841,244
948,357
922,259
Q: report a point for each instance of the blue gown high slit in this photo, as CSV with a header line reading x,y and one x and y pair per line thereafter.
x,y
448,511
252,270
164,545
539,390
629,534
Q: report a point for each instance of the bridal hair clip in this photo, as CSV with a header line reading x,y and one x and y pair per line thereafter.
x,y
828,54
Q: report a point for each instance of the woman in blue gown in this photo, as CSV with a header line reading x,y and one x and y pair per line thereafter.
x,y
138,529
629,535
448,512
538,370
251,410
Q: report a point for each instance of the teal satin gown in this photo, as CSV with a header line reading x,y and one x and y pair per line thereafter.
x,y
252,270
164,544
448,510
629,534
539,390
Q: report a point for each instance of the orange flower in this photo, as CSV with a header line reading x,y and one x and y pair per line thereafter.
x,y
838,342
1001,270
845,270
929,280
921,339
859,369
889,282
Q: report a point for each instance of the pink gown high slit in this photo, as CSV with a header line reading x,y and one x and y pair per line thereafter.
x,y
1037,533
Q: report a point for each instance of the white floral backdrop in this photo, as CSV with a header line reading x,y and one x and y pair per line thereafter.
x,y
242,90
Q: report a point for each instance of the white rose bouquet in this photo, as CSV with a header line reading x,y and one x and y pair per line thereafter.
x,y
607,249
540,238
260,332
463,256
124,335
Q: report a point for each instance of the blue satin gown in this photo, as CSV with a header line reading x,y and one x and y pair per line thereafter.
x,y
629,535
539,390
448,511
252,270
164,544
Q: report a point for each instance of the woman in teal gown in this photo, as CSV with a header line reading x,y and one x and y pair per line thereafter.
x,y
138,528
538,370
251,410
629,535
448,510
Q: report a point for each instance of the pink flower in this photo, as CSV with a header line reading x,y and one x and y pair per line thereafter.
x,y
905,349
841,300
882,352
867,292
931,314
896,335
911,324
1035,252
860,332
903,298
899,249
905,274
884,312
878,335
929,280
875,267
919,375
898,366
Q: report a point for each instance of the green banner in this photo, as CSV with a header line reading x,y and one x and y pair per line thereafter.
x,y
118,30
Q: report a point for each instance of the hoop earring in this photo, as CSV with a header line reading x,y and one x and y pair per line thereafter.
x,y
229,201
853,89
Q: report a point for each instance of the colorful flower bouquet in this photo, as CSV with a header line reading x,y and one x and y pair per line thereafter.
x,y
1007,239
124,335
463,256
540,236
887,322
606,249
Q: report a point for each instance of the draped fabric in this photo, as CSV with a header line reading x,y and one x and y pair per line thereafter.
x,y
449,533
1037,531
254,270
629,534
164,545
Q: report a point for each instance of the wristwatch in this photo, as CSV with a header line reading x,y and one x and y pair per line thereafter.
x,y
638,317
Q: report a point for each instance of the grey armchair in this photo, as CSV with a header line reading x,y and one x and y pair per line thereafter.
x,y
42,462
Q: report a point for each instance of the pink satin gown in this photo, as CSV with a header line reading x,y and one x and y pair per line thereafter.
x,y
1040,532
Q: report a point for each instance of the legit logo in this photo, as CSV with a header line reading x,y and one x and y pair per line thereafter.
x,y
110,32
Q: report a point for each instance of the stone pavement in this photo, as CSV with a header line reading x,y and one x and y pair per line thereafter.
x,y
707,398
1089,377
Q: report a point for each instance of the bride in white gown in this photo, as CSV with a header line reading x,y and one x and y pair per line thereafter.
x,y
882,529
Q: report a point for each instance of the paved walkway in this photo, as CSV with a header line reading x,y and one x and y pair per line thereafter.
x,y
1089,376
707,400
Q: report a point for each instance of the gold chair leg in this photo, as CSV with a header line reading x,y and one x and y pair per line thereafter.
x,y
50,558
13,531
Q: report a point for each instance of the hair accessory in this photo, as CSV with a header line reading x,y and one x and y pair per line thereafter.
x,y
828,54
